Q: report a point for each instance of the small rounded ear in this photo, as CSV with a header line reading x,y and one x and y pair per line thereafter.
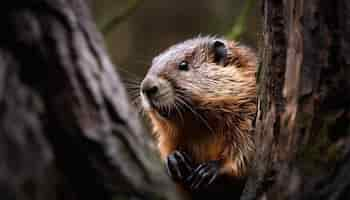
x,y
220,52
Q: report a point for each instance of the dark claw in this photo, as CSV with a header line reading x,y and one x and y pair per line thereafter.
x,y
178,165
203,175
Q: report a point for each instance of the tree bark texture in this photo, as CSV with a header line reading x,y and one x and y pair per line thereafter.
x,y
66,128
303,121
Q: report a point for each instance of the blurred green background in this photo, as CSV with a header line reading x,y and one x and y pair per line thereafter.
x,y
137,30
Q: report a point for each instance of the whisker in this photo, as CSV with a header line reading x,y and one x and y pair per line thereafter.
x,y
135,99
131,82
132,88
133,92
123,70
178,109
196,114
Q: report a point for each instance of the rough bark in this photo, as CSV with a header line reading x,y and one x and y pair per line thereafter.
x,y
303,121
66,129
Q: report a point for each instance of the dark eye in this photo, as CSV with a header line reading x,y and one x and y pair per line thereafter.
x,y
183,65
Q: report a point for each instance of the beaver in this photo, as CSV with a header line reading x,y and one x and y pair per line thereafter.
x,y
200,96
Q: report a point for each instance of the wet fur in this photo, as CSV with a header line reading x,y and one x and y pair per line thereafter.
x,y
225,98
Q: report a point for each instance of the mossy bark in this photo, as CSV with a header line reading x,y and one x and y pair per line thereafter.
x,y
303,121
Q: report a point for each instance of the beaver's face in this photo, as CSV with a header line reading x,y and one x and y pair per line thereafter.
x,y
186,72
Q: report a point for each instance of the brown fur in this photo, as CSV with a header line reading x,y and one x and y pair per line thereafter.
x,y
224,97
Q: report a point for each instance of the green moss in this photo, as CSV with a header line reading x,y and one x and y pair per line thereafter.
x,y
319,154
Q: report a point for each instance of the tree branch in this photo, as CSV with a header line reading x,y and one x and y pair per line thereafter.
x,y
108,23
239,27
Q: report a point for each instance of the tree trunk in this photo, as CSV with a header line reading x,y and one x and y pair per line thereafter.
x,y
303,121
66,129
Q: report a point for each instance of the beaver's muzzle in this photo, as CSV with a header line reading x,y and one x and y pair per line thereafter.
x,y
156,93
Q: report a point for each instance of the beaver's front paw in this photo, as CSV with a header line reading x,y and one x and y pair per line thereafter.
x,y
203,175
179,166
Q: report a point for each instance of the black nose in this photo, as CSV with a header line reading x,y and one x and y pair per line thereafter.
x,y
149,88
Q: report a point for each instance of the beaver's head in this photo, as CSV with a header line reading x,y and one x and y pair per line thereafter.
x,y
197,74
